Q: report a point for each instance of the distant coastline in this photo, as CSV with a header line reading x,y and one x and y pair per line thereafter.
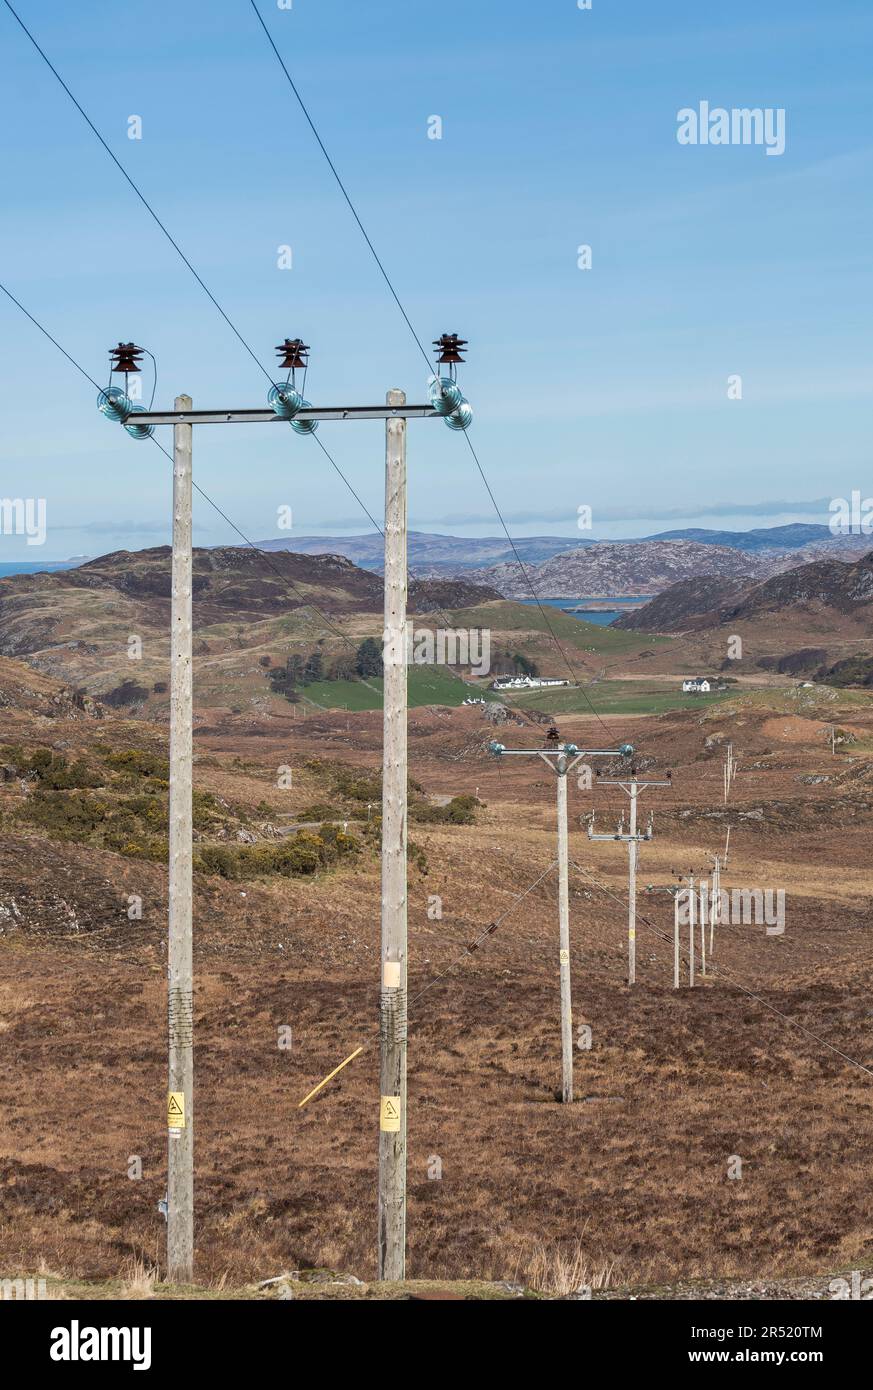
x,y
8,567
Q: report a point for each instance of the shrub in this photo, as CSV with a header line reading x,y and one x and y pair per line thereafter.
x,y
137,762
128,693
72,817
461,810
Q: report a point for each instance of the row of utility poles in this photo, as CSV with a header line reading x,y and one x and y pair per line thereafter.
x,y
286,403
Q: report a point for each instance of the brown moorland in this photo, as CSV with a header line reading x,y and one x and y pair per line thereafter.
x,y
632,1178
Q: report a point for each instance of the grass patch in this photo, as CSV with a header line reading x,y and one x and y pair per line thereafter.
x,y
426,685
300,854
616,697
520,617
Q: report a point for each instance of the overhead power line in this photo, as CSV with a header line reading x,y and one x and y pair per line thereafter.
x,y
170,238
312,126
187,262
732,979
386,277
289,583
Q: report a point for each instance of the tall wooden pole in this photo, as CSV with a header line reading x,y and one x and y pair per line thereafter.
x,y
393,1021
632,888
180,1100
691,931
564,935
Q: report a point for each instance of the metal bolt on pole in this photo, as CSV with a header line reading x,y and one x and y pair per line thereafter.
x,y
180,1099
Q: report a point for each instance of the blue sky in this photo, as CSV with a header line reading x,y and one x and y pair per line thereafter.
x,y
605,387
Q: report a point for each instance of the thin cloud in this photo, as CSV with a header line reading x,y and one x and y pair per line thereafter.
x,y
815,507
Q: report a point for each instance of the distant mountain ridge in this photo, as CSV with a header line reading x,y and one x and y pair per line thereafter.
x,y
615,569
430,554
433,555
767,538
839,588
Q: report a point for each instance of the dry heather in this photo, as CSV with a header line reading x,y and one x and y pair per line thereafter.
x,y
629,1185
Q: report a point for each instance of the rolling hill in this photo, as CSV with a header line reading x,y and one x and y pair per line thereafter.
x,y
612,569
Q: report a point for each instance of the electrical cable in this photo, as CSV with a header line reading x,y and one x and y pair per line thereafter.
x,y
407,320
731,979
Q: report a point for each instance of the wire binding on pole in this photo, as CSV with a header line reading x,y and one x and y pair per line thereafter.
x,y
285,400
116,403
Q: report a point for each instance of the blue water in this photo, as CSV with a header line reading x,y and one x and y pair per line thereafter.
x,y
33,566
602,618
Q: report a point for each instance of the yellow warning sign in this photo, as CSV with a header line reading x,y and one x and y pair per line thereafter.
x,y
176,1109
389,1114
565,957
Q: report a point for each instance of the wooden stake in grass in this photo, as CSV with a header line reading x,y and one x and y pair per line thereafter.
x,y
331,1074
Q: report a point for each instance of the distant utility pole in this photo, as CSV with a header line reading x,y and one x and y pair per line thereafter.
x,y
286,403
562,758
678,894
634,787
730,770
715,902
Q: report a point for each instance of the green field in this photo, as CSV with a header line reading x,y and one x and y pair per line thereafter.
x,y
617,697
426,685
584,637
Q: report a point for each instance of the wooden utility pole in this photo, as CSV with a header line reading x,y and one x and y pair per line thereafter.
x,y
634,787
691,931
393,1020
304,418
632,850
180,1098
564,934
562,758
715,904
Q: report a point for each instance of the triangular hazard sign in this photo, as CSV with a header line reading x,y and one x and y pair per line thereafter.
x,y
173,1107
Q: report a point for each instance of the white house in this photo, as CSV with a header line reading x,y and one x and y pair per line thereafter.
x,y
697,685
525,682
